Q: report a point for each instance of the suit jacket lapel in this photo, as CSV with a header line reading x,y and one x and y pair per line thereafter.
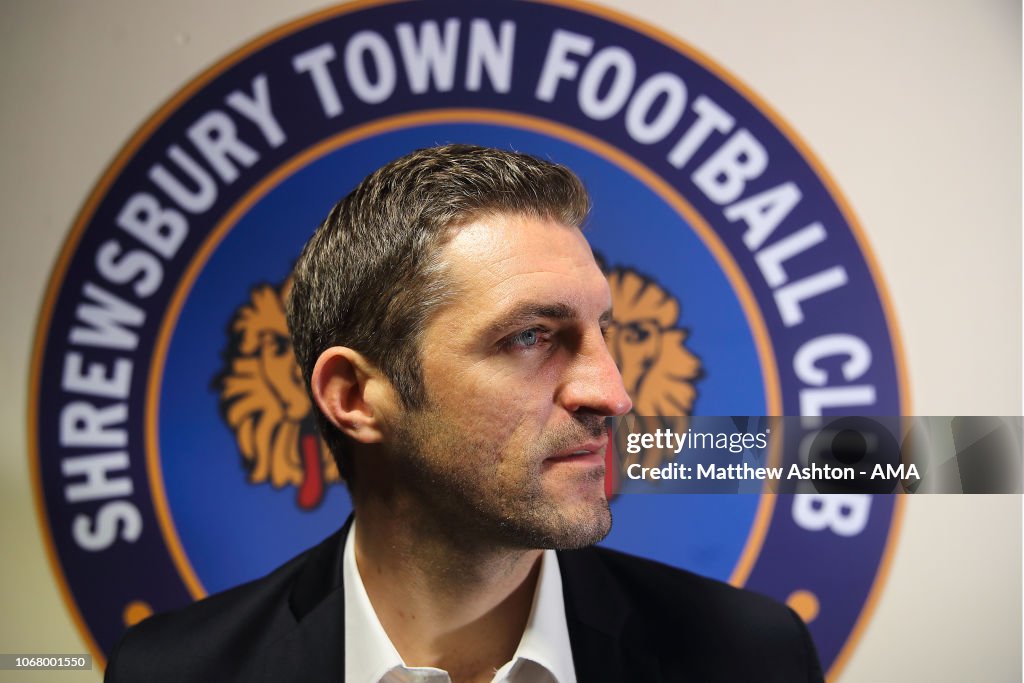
x,y
597,611
599,615
314,649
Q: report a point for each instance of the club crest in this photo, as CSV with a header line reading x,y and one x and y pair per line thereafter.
x,y
169,427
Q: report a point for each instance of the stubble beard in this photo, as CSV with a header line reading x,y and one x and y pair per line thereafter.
x,y
451,473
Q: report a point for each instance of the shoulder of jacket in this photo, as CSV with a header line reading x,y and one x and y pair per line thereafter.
x,y
182,644
663,594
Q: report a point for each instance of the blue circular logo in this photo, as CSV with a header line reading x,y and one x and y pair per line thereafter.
x,y
173,447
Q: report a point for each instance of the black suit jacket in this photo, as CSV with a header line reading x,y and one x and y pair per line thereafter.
x,y
629,620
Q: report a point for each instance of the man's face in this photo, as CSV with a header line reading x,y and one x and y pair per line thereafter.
x,y
511,444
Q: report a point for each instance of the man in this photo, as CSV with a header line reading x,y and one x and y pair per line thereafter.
x,y
449,318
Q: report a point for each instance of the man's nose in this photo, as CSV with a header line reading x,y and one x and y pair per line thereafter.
x,y
593,383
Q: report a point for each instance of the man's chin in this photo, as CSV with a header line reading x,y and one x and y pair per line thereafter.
x,y
577,529
585,538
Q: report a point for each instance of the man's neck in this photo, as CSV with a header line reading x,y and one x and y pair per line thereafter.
x,y
445,602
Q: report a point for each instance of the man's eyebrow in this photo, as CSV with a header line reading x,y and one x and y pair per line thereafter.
x,y
529,311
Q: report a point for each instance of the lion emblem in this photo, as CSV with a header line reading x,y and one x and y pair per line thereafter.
x,y
656,366
263,401
644,338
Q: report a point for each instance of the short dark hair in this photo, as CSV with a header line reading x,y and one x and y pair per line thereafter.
x,y
371,277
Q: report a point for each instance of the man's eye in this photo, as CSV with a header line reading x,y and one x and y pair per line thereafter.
x,y
527,338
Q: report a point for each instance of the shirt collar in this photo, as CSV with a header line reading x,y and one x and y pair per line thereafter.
x,y
546,638
370,654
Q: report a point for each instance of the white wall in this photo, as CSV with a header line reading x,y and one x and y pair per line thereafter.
x,y
913,106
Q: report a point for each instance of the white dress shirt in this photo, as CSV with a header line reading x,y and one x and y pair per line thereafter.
x,y
543,656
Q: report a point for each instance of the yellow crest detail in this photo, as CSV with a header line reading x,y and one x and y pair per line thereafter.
x,y
264,402
657,369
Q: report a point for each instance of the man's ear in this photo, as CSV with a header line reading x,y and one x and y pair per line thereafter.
x,y
352,393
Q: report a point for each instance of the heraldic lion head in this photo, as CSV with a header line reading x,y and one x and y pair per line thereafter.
x,y
264,402
657,369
